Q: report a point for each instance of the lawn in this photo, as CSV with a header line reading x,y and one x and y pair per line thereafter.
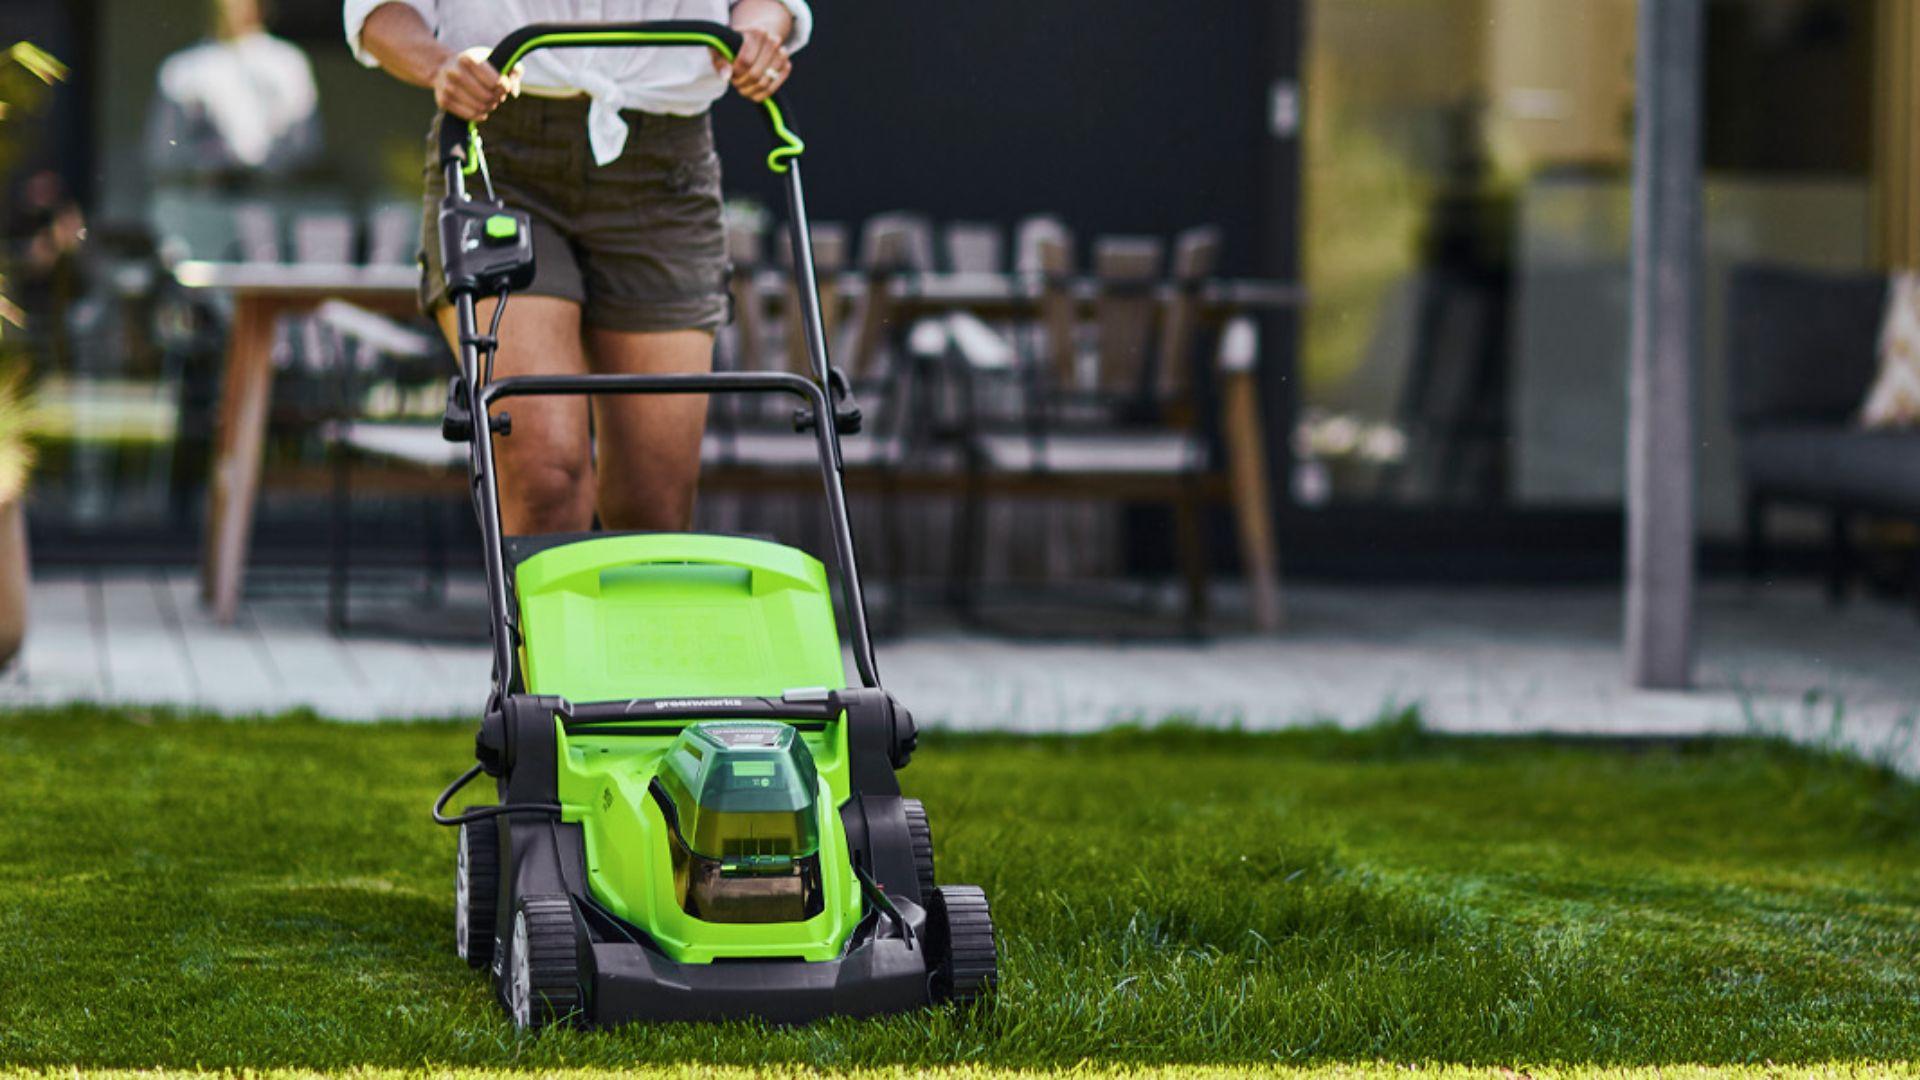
x,y
184,893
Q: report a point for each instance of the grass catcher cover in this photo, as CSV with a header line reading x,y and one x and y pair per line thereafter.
x,y
740,800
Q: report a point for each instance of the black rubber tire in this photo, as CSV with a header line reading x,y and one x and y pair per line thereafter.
x,y
546,955
921,832
960,940
476,891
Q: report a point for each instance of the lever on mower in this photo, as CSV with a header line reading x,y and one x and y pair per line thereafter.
x,y
846,411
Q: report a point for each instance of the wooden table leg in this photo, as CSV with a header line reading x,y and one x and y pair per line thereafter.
x,y
1252,492
241,440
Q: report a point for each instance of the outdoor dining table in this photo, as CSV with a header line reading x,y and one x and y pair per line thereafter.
x,y
264,292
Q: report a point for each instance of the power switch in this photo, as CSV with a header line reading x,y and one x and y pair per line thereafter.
x,y
502,229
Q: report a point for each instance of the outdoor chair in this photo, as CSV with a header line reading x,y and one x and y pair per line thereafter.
x,y
389,383
393,234
757,452
1801,351
304,390
975,248
358,395
1133,419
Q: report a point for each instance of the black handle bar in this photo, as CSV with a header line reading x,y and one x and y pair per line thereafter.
x,y
460,141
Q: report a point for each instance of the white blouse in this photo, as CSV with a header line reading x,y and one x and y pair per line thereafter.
x,y
679,81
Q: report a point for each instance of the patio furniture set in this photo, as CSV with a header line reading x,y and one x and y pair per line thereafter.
x,y
982,382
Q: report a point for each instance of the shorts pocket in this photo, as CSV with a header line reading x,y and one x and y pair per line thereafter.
x,y
698,175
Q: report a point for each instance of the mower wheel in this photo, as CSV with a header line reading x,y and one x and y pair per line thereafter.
x,y
476,891
960,942
922,835
543,963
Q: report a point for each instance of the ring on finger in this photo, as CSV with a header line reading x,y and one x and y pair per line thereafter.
x,y
773,75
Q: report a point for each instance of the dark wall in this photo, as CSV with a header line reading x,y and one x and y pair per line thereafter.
x,y
1789,86
56,137
1119,117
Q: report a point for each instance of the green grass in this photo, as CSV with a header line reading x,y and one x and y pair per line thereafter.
x,y
193,893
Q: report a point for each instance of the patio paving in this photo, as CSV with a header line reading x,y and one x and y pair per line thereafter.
x,y
1493,660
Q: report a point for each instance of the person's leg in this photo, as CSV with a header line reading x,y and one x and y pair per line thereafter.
x,y
546,464
649,444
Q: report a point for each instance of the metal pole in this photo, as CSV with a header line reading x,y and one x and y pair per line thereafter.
x,y
1665,340
485,490
827,428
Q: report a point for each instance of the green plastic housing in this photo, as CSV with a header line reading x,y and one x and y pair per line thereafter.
x,y
672,615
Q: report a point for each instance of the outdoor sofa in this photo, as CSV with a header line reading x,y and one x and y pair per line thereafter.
x,y
1802,352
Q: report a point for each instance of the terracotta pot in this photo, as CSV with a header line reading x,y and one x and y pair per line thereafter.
x,y
13,579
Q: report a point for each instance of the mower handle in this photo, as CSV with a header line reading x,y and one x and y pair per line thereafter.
x,y
461,142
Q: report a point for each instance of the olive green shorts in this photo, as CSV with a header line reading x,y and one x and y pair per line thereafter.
x,y
639,243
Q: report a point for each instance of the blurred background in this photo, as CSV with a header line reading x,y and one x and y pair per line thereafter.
x,y
1171,321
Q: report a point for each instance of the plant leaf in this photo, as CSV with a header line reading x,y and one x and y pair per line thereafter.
x,y
37,61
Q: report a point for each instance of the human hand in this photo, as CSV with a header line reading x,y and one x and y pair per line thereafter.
x,y
467,86
762,65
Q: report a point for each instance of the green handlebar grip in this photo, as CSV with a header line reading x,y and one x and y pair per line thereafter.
x,y
461,141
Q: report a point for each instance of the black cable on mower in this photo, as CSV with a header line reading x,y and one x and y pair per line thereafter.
x,y
483,812
493,330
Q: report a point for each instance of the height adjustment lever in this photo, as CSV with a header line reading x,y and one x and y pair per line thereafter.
x,y
847,416
456,422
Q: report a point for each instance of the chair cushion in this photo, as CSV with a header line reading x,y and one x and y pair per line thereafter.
x,y
786,450
1153,453
1894,401
422,445
415,444
1874,470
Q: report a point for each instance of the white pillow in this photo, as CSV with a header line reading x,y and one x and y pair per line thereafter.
x,y
1894,401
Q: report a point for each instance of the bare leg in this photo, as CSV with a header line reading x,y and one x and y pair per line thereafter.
x,y
546,464
649,444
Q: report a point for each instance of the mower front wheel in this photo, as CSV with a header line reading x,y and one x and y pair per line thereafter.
x,y
960,943
543,963
476,891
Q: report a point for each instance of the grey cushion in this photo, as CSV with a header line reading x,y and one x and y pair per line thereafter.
x,y
1801,345
1872,470
1150,453
414,444
420,444
783,450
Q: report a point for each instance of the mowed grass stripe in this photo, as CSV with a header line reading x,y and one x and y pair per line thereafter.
x,y
199,893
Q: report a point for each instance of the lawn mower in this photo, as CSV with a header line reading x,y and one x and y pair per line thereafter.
x,y
698,818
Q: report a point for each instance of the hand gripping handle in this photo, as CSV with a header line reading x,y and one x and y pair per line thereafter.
x,y
460,141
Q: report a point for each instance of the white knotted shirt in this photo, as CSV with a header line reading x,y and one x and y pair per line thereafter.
x,y
676,81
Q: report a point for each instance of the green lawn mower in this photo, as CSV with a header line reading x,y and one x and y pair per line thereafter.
x,y
698,818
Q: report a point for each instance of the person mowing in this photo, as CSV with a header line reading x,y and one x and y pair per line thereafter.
x,y
610,152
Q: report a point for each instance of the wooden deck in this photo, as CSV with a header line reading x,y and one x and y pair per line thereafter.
x,y
144,638
1775,660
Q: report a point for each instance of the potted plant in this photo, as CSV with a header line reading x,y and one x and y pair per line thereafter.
x,y
16,461
25,73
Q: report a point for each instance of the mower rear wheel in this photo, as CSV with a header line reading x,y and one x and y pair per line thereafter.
x,y
543,963
921,833
476,891
960,941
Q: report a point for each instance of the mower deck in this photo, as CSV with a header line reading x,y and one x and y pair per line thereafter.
x,y
878,976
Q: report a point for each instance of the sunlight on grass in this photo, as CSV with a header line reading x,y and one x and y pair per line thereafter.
x,y
236,895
